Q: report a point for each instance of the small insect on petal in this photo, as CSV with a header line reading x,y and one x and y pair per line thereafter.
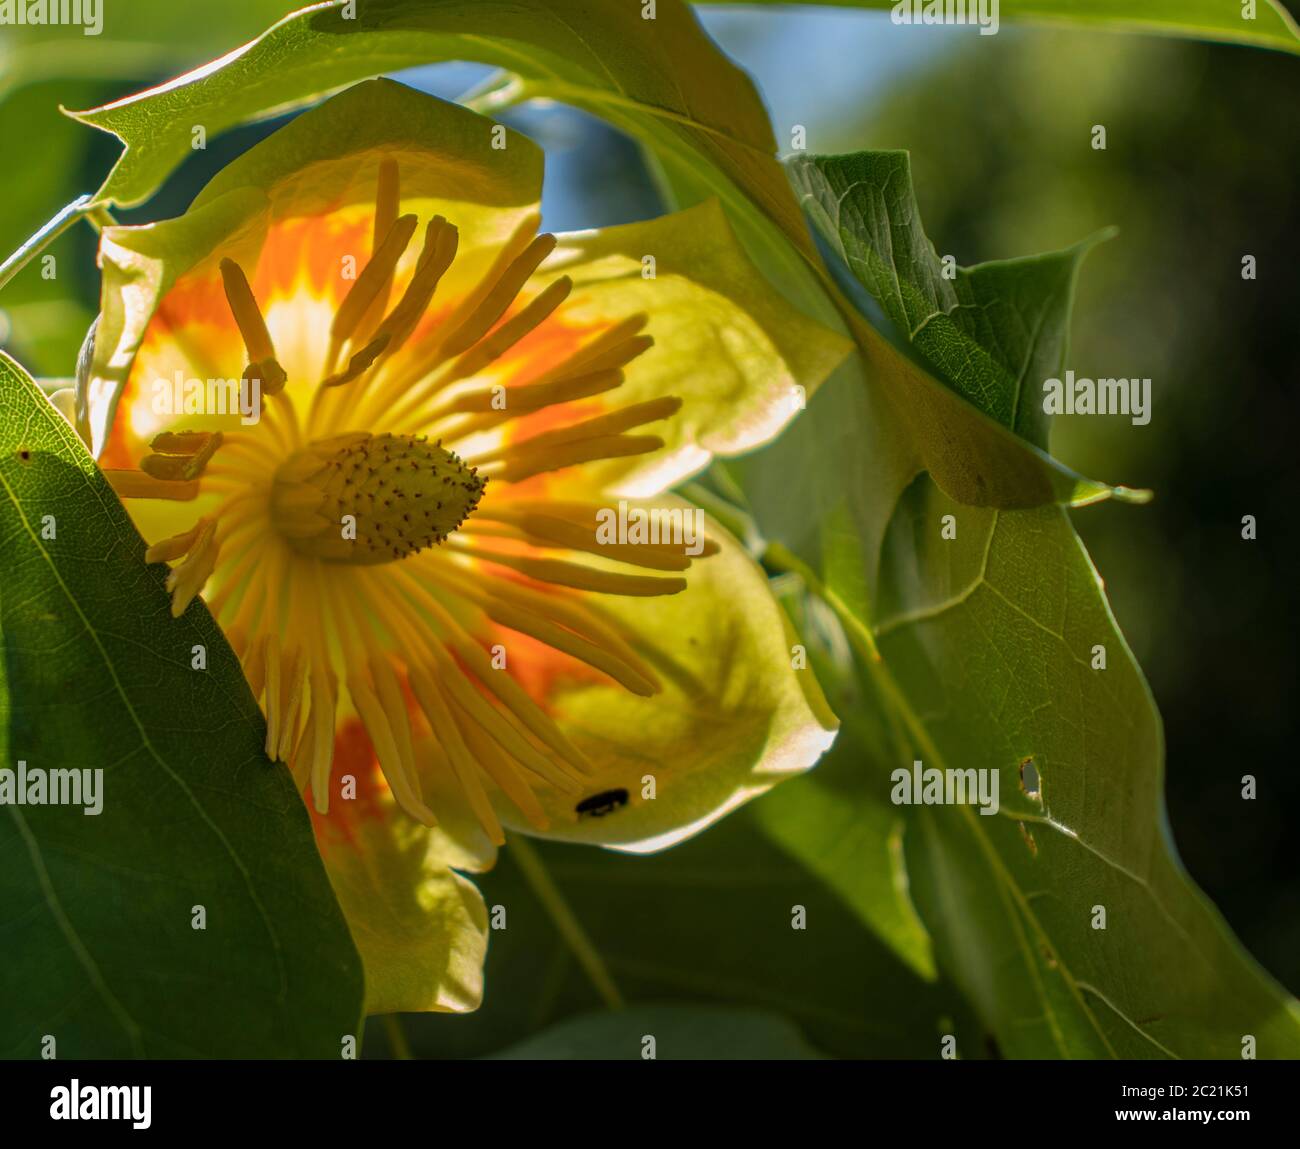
x,y
599,805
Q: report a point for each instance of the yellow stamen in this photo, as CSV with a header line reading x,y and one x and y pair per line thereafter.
x,y
580,616
138,485
490,756
248,316
482,355
530,397
389,692
590,371
166,550
252,607
501,295
262,363
578,576
440,243
293,679
521,463
374,714
235,580
360,363
377,726
324,702
387,200
434,704
552,531
518,705
476,706
513,247
616,347
254,663
376,277
511,331
186,580
571,644
180,455
602,426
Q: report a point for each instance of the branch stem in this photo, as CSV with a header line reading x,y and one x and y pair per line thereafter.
x,y
568,926
67,216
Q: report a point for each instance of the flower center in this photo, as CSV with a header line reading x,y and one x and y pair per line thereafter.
x,y
366,499
413,635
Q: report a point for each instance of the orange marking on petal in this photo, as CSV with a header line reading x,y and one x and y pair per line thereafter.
x,y
434,317
542,670
121,452
353,754
546,347
197,297
192,331
307,254
543,349
547,419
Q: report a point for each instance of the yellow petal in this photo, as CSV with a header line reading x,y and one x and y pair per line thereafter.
x,y
420,927
742,359
733,715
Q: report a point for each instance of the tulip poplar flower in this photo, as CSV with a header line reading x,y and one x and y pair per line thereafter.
x,y
373,416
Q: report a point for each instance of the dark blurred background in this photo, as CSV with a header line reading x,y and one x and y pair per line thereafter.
x,y
1200,169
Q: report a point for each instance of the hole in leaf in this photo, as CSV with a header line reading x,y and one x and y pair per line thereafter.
x,y
1029,781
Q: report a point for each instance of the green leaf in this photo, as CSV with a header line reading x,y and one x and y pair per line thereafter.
x,y
979,652
98,945
661,79
976,326
992,332
695,1033
1272,26
993,638
972,456
835,823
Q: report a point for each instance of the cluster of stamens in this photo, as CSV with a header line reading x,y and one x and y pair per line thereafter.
x,y
361,499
